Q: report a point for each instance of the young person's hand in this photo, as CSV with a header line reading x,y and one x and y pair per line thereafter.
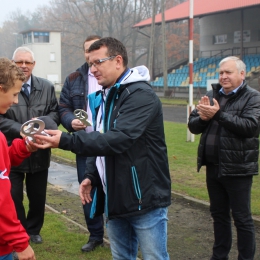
x,y
30,145
27,254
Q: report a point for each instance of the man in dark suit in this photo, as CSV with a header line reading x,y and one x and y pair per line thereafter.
x,y
36,99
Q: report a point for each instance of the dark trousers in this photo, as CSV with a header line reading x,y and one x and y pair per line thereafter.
x,y
36,185
231,194
95,225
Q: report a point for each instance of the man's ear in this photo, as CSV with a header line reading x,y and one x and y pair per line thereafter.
x,y
119,60
243,76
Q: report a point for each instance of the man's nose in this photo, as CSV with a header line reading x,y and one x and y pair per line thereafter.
x,y
16,99
93,69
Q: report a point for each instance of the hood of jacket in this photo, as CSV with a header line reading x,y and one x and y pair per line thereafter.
x,y
136,74
139,73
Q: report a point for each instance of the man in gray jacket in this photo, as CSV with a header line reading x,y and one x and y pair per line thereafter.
x,y
228,120
37,98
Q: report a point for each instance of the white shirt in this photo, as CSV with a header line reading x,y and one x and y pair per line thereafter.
x,y
100,161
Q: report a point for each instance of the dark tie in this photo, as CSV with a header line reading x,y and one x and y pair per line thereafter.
x,y
25,89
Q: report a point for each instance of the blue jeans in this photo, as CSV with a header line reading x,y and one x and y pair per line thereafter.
x,y
7,257
150,230
95,225
231,194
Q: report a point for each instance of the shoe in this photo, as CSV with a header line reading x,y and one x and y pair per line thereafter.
x,y
37,239
15,256
91,245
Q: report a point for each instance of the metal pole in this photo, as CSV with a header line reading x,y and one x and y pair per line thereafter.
x,y
242,36
190,136
164,51
151,51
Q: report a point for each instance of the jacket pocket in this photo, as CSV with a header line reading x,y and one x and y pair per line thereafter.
x,y
137,187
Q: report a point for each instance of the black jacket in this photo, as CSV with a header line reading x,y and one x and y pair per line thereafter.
x,y
133,144
239,132
42,102
73,96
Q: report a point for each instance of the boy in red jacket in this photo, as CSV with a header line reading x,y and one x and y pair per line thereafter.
x,y
13,236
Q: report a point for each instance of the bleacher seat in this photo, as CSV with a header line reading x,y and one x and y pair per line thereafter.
x,y
203,69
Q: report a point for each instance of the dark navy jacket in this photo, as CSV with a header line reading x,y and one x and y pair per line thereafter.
x,y
73,96
137,171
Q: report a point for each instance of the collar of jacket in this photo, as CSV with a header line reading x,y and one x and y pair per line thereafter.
x,y
83,70
217,87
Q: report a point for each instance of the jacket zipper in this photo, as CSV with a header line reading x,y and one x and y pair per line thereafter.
x,y
137,187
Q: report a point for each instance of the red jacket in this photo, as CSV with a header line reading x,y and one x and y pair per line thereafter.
x,y
13,236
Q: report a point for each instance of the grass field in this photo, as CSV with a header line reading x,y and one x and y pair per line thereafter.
x,y
182,163
65,239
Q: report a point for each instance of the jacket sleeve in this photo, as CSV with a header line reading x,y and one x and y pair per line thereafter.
x,y
66,110
91,171
138,111
195,124
18,152
10,127
12,232
11,229
245,122
53,112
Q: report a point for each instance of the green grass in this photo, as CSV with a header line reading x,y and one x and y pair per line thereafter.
x,y
64,240
177,101
62,153
183,165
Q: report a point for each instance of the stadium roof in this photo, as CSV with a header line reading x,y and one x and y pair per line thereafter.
x,y
201,8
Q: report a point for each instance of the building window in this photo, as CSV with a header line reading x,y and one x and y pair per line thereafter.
x,y
29,37
52,56
246,36
220,39
41,37
25,38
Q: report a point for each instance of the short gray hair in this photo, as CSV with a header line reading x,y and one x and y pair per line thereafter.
x,y
23,49
241,66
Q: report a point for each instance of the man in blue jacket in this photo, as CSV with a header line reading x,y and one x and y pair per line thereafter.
x,y
131,160
228,120
73,96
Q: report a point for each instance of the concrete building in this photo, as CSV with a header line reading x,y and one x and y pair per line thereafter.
x,y
221,23
222,26
46,46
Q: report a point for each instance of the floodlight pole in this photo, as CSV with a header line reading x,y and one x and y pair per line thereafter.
x,y
190,107
164,50
151,50
242,36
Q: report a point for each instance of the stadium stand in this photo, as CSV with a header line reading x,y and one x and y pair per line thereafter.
x,y
203,69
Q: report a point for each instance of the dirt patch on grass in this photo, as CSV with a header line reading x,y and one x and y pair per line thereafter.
x,y
190,231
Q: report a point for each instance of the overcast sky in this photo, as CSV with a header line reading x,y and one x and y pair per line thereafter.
x,y
8,6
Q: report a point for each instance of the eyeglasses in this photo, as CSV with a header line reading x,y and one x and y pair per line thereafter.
x,y
27,63
97,63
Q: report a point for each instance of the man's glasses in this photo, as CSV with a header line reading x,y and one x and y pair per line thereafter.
x,y
97,63
27,63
